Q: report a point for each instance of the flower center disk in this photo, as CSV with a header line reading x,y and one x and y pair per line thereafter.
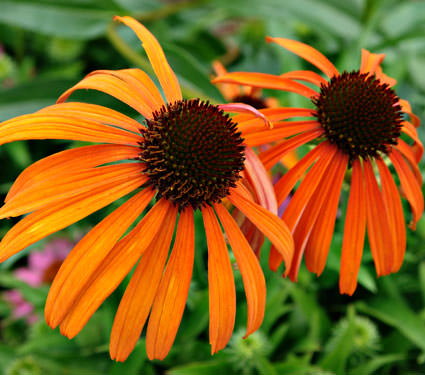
x,y
359,114
193,153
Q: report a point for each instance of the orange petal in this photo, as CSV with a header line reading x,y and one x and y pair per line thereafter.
x,y
410,187
68,161
157,225
308,53
384,78
392,203
274,228
406,108
88,254
114,86
245,108
222,295
45,126
67,186
370,61
306,189
307,76
252,274
273,155
284,186
407,152
156,56
94,112
317,248
139,81
170,301
259,179
304,210
378,228
354,232
59,215
228,91
267,81
249,123
282,130
417,148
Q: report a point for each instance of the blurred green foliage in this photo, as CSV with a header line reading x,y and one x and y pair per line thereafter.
x,y
48,45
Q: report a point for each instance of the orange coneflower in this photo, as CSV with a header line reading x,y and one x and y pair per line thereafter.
x,y
358,123
189,155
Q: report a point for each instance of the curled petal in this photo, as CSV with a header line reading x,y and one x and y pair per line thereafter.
x,y
245,108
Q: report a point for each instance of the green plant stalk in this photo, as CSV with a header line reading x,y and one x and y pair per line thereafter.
x,y
135,59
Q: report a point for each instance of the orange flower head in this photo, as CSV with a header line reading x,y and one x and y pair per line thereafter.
x,y
189,155
358,123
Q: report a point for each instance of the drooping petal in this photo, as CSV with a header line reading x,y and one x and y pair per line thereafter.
x,y
88,254
410,187
222,295
317,247
170,301
308,205
306,189
407,152
267,81
284,186
140,293
59,215
354,232
67,186
252,274
417,148
69,161
274,228
272,156
93,112
282,130
307,53
156,56
307,76
45,126
118,264
259,179
381,243
370,61
228,91
406,108
112,85
395,213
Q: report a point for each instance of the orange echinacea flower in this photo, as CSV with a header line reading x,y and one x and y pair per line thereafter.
x,y
190,156
358,123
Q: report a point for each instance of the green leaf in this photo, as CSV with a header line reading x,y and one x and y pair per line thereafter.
x,y
133,364
56,19
394,311
404,18
205,368
376,363
30,97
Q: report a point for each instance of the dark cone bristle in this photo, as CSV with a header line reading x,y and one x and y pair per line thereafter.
x,y
359,114
193,153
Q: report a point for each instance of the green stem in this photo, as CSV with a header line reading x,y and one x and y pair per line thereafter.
x,y
135,59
